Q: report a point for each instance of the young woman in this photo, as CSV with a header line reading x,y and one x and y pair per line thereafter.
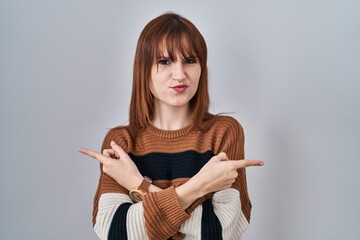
x,y
176,171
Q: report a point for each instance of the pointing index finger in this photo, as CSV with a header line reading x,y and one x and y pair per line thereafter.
x,y
243,163
101,158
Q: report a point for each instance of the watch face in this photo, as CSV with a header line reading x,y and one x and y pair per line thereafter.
x,y
136,195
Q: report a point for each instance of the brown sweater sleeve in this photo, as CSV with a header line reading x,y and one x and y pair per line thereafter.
x,y
106,183
233,146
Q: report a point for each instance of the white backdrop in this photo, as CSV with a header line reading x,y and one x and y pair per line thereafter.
x,y
289,71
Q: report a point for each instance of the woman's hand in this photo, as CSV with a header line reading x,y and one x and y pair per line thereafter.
x,y
118,165
220,173
217,174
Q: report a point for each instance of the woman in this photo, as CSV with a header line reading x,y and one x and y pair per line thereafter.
x,y
175,171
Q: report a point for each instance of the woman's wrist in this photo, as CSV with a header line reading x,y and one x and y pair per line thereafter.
x,y
189,192
134,183
154,188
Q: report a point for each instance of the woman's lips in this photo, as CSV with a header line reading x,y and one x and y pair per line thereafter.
x,y
180,88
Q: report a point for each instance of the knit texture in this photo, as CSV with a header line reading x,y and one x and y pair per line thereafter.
x,y
170,158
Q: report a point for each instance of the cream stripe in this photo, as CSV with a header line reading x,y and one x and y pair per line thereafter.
x,y
227,208
108,204
135,222
192,227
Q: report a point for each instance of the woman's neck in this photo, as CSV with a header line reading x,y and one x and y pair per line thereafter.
x,y
171,118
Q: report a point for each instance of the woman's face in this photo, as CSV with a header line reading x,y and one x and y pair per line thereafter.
x,y
174,83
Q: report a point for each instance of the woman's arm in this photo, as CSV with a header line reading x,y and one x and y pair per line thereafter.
x,y
227,214
164,208
220,217
118,216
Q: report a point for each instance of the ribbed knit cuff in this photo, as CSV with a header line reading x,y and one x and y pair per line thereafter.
x,y
168,202
163,214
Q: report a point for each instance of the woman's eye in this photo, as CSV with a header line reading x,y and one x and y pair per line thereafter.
x,y
164,62
190,61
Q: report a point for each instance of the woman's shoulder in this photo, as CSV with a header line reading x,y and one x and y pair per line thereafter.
x,y
120,134
226,134
224,122
122,129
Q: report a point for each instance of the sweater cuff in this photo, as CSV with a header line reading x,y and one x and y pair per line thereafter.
x,y
163,214
170,205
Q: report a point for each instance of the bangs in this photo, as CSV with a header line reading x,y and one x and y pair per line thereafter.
x,y
176,44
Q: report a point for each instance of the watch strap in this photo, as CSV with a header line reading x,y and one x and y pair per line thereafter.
x,y
145,184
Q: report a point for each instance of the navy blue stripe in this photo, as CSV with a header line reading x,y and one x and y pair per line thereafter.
x,y
118,224
210,224
168,166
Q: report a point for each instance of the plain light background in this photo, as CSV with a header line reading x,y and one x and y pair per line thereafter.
x,y
289,71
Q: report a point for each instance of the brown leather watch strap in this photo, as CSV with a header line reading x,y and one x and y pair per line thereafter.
x,y
145,184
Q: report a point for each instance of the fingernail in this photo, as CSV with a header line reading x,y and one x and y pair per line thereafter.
x,y
112,143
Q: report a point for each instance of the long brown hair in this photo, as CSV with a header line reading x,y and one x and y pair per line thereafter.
x,y
178,35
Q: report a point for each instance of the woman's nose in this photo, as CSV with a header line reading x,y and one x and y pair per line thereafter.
x,y
178,72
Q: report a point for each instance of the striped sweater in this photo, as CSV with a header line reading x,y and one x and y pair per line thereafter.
x,y
170,158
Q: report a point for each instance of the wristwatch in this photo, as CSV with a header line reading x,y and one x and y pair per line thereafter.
x,y
137,194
